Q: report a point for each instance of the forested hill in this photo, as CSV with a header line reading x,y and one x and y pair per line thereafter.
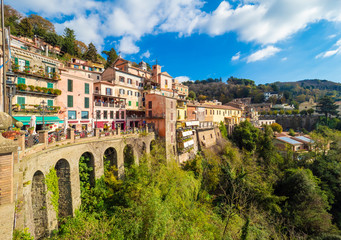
x,y
293,92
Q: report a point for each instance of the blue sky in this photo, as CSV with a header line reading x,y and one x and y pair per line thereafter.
x,y
263,40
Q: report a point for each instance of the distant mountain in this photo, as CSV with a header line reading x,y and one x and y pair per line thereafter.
x,y
310,84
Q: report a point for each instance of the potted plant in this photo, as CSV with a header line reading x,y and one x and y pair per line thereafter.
x,y
21,86
57,92
44,89
30,130
31,87
12,134
27,69
50,90
18,107
15,67
38,89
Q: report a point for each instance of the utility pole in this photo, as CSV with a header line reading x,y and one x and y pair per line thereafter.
x,y
3,107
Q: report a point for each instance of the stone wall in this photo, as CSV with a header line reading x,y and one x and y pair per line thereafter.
x,y
295,122
208,137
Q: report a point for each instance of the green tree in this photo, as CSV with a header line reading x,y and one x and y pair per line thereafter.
x,y
41,26
245,136
276,127
192,95
25,28
111,57
291,132
310,111
12,19
69,45
54,39
327,106
223,130
91,53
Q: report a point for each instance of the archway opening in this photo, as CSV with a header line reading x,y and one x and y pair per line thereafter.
x,y
86,174
144,148
110,160
38,196
152,144
128,154
64,183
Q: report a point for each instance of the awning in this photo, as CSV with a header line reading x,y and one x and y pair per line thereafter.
x,y
39,119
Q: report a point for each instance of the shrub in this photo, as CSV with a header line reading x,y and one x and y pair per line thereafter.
x,y
276,127
22,86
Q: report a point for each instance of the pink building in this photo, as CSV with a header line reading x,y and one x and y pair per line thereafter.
x,y
76,100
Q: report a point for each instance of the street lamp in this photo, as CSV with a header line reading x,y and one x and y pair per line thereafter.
x,y
11,86
42,108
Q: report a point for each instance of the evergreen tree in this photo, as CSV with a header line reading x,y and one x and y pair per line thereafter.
x,y
327,106
69,45
91,53
111,57
25,28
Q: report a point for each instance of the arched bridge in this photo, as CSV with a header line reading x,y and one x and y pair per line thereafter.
x,y
37,212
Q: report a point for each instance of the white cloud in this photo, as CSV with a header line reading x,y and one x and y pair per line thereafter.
x,y
127,46
330,53
183,79
284,59
263,54
146,54
236,57
262,21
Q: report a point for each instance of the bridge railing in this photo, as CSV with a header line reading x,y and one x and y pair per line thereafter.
x,y
43,139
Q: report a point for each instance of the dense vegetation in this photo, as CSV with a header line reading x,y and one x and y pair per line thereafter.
x,y
293,92
241,189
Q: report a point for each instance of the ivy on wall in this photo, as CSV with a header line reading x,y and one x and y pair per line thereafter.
x,y
51,181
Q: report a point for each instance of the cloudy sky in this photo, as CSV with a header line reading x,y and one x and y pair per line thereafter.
x,y
263,40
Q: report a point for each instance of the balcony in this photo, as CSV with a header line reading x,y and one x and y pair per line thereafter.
x,y
109,105
156,116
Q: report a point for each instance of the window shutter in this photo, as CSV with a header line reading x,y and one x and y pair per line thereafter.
x,y
69,85
86,102
27,63
21,80
21,101
137,104
16,61
50,103
49,85
53,70
70,101
86,87
129,103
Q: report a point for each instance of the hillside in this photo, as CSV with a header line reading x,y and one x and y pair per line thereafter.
x,y
293,92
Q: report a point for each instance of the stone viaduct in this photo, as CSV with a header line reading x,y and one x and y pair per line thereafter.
x,y
28,205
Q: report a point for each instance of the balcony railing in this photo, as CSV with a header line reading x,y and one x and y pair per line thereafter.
x,y
111,105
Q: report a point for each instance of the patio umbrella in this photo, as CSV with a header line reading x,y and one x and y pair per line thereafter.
x,y
33,123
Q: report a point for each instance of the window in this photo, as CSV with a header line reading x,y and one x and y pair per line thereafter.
x,y
171,116
203,137
165,82
150,103
108,91
86,102
97,77
150,114
171,104
137,83
49,85
50,70
21,102
129,81
129,92
141,85
21,80
211,136
137,94
129,103
70,101
86,88
49,103
137,104
105,114
71,114
70,85
117,114
178,113
122,115
121,79
111,114
21,64
98,114
89,76
121,91
85,115
90,69
76,66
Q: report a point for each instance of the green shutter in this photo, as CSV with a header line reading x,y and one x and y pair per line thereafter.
x,y
70,101
137,104
53,70
69,85
27,63
21,101
21,80
50,103
49,85
129,103
86,102
16,61
86,86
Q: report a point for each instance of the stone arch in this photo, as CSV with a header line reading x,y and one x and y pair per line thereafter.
x,y
128,156
110,156
144,148
38,196
152,144
64,183
87,164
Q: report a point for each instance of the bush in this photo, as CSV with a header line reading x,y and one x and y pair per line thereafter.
x,y
276,127
291,132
